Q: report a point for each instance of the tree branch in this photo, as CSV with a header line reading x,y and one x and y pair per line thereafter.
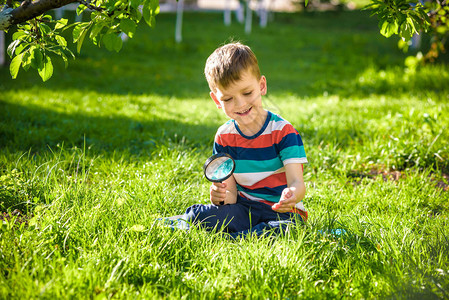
x,y
90,6
27,11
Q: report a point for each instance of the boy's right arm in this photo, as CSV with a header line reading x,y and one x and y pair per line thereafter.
x,y
224,192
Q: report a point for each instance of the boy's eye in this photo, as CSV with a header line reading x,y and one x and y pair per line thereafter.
x,y
248,93
227,99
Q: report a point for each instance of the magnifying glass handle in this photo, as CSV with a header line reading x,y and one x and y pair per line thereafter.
x,y
221,202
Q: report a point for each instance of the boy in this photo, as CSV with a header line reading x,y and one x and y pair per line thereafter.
x,y
267,185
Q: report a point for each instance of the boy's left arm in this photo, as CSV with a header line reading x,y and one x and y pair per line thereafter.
x,y
295,190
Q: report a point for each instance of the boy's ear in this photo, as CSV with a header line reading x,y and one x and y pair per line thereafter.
x,y
214,97
263,85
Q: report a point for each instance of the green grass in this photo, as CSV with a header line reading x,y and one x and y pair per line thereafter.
x,y
94,155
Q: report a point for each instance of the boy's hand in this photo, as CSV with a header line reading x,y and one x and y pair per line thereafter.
x,y
287,201
218,193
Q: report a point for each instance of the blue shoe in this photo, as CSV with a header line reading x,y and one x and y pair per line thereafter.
x,y
174,224
334,232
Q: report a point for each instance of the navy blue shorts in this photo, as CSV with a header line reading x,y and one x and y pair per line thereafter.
x,y
241,216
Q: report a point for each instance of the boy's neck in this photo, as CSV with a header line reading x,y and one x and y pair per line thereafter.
x,y
254,127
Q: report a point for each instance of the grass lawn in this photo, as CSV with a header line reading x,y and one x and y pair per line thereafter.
x,y
91,158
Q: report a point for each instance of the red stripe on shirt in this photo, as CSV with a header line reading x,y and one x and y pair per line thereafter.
x,y
271,181
235,140
262,141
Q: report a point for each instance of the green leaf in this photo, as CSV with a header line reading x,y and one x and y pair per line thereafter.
x,y
135,3
388,28
46,71
36,57
47,17
61,23
154,6
12,47
18,34
136,15
26,60
96,29
411,23
147,13
14,67
79,33
152,21
80,9
44,28
20,48
112,42
128,26
61,41
405,32
79,30
80,41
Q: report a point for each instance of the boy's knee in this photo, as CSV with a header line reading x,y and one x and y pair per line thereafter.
x,y
200,213
210,216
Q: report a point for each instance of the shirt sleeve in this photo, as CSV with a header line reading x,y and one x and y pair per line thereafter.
x,y
292,147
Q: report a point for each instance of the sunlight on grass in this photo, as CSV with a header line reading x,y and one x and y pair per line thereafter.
x,y
90,159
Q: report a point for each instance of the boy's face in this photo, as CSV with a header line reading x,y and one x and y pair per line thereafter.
x,y
242,100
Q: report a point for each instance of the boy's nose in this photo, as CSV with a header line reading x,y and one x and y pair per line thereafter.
x,y
238,102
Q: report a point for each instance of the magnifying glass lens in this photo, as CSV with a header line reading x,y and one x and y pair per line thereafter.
x,y
219,167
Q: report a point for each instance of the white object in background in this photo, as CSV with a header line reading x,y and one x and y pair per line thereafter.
x,y
249,17
263,13
178,30
2,47
227,13
240,13
59,12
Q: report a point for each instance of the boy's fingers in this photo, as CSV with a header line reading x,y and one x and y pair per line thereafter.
x,y
217,188
220,196
286,193
218,193
284,206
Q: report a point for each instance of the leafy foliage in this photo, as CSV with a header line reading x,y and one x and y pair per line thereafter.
x,y
439,20
407,18
34,42
103,151
400,17
38,40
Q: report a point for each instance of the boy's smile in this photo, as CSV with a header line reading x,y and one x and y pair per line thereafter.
x,y
244,113
242,101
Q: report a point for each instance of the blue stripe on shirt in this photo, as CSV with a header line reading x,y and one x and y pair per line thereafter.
x,y
252,166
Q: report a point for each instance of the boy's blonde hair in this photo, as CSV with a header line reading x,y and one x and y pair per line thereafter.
x,y
226,64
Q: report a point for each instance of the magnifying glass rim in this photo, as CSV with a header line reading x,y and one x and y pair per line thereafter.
x,y
214,157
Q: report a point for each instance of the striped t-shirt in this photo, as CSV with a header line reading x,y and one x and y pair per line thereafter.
x,y
260,159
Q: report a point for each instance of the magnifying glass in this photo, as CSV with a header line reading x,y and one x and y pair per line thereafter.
x,y
219,167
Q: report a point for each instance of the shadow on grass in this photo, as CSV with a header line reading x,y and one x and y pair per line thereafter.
x,y
29,128
303,55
